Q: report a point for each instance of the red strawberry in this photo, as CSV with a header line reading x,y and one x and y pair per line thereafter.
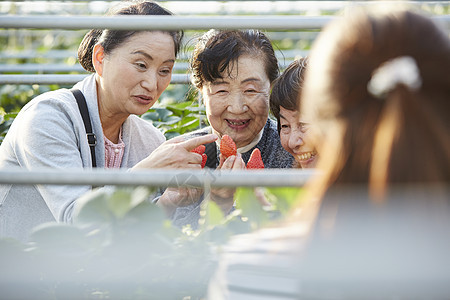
x,y
199,149
227,146
255,161
204,158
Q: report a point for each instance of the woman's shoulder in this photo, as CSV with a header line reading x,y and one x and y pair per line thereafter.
x,y
259,264
58,105
52,100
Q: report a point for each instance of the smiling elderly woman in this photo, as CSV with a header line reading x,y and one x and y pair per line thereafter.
x,y
234,71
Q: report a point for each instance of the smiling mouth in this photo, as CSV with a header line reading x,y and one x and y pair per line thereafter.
x,y
307,155
237,122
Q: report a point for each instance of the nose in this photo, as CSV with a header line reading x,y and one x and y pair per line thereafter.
x,y
149,81
237,104
296,140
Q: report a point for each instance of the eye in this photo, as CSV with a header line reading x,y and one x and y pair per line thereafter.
x,y
141,65
165,72
221,92
285,128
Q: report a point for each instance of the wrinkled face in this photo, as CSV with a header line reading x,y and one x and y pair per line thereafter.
x,y
238,105
296,139
134,75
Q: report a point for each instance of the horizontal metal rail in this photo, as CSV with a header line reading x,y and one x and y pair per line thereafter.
x,y
63,54
46,68
272,22
53,68
160,177
67,79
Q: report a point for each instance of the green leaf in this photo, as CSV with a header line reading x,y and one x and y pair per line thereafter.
x,y
119,203
93,208
172,120
285,197
247,201
214,215
163,113
151,116
59,237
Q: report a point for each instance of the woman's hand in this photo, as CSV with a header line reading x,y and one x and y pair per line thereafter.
x,y
175,153
176,197
224,197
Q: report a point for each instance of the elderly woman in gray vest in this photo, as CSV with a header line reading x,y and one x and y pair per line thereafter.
x,y
233,70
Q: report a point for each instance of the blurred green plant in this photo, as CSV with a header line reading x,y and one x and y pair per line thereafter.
x,y
122,246
176,119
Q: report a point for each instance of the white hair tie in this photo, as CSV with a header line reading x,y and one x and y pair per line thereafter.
x,y
402,70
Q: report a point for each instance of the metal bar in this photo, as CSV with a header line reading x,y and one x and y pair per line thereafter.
x,y
62,54
164,22
159,177
61,67
53,68
67,79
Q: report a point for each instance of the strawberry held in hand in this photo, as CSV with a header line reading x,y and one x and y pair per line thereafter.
x,y
200,150
204,159
255,161
227,146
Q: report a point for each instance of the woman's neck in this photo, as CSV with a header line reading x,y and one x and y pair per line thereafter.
x,y
111,121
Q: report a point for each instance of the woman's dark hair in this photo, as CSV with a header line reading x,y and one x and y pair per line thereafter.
x,y
217,50
110,39
286,89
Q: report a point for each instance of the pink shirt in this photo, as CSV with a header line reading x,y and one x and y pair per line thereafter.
x,y
114,152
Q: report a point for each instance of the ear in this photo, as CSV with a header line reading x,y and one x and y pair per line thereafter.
x,y
97,58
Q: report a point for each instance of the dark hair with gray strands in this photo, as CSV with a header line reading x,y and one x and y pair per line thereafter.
x,y
218,50
111,39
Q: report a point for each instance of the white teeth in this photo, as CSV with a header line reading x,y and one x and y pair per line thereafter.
x,y
306,156
237,123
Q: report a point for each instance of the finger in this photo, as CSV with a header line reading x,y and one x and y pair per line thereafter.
x,y
197,141
228,163
221,161
177,139
239,163
194,158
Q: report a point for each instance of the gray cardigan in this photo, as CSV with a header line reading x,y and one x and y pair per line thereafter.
x,y
49,133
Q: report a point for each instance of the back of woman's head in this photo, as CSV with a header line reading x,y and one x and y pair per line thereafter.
x,y
111,39
398,132
217,51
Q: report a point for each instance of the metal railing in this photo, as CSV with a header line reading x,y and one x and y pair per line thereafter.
x,y
164,22
67,79
159,177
